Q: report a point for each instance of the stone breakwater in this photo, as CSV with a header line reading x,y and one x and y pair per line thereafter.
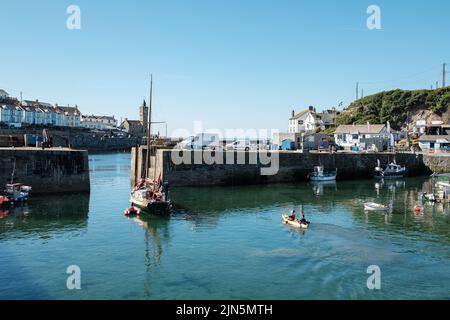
x,y
78,138
56,170
292,166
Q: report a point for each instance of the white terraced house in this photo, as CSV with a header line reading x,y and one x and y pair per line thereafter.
x,y
99,122
3,94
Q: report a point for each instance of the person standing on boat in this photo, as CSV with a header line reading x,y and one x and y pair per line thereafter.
x,y
165,190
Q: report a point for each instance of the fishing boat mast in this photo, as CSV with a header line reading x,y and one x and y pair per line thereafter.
x,y
149,126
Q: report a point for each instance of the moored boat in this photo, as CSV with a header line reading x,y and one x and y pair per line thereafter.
x,y
151,195
428,196
392,171
17,192
320,174
372,206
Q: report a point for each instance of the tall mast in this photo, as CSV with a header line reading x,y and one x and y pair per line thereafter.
x,y
149,126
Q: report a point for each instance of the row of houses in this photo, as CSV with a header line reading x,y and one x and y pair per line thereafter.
x,y
14,113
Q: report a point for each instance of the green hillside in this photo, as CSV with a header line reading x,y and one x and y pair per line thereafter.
x,y
394,106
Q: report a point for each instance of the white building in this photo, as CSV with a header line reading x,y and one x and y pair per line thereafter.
x,y
99,122
362,136
304,121
3,94
435,143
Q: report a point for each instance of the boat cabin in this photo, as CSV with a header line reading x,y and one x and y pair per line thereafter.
x,y
13,187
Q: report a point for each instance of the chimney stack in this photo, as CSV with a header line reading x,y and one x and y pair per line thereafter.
x,y
368,126
293,113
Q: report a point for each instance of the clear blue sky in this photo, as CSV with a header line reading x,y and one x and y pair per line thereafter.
x,y
232,64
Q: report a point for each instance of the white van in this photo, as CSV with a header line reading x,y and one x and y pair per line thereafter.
x,y
239,145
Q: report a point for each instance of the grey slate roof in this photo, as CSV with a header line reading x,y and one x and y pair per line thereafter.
x,y
360,128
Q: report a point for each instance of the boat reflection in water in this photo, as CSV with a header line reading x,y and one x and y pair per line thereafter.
x,y
45,216
156,235
320,186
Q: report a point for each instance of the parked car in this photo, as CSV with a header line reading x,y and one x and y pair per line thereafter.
x,y
202,141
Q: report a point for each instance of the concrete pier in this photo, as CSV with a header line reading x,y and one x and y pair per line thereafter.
x,y
292,166
55,170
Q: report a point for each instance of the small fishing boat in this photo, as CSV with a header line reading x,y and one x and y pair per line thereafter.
x,y
17,192
392,171
320,174
428,197
372,206
294,223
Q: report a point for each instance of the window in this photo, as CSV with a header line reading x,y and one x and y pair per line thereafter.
x,y
355,136
300,122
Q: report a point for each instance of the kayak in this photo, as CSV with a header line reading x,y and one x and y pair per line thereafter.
x,y
294,223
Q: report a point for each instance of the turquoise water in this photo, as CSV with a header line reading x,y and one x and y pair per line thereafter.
x,y
226,243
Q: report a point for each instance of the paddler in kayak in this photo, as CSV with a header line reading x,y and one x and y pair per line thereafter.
x,y
303,220
292,216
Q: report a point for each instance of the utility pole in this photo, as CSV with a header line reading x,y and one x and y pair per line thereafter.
x,y
362,93
20,97
357,90
443,75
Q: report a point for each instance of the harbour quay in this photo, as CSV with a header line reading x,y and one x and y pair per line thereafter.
x,y
291,166
48,171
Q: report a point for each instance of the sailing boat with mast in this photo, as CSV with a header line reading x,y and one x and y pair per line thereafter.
x,y
151,194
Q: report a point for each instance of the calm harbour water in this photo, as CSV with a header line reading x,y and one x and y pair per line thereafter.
x,y
226,243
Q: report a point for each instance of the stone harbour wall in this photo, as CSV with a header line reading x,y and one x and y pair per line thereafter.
x,y
292,166
55,170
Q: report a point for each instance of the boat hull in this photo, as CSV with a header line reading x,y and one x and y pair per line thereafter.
x,y
152,207
374,207
388,176
323,178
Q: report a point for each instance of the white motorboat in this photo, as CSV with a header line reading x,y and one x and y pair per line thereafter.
x,y
372,206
